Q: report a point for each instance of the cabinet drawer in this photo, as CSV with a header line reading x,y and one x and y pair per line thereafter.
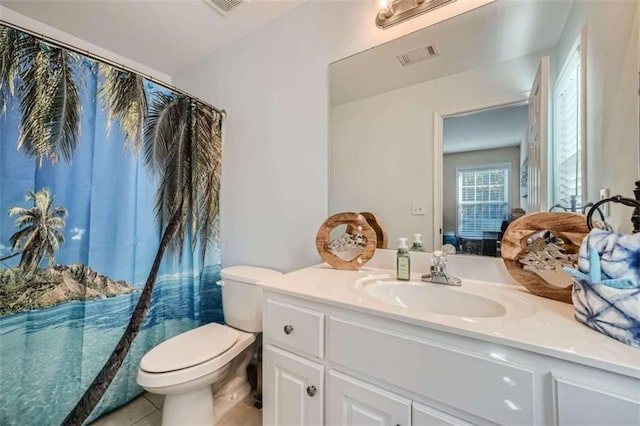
x,y
295,327
499,392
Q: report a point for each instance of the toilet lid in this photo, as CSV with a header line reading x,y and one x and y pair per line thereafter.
x,y
189,349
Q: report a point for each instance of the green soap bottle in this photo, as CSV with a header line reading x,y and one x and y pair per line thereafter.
x,y
403,261
417,243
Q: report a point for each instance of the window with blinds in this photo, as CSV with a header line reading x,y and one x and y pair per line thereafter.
x,y
483,199
567,124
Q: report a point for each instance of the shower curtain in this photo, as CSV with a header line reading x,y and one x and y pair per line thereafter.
x,y
90,177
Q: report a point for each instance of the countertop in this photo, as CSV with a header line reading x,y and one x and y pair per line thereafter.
x,y
545,326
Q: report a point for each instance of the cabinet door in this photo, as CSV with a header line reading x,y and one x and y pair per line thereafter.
x,y
292,389
353,402
427,416
581,404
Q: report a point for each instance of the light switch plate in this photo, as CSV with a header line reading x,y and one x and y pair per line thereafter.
x,y
418,208
604,193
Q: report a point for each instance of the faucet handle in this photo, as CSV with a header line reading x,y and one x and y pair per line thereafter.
x,y
438,261
439,256
438,273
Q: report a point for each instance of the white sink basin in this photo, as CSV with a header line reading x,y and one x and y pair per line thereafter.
x,y
435,298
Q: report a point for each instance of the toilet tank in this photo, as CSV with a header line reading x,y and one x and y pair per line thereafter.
x,y
242,298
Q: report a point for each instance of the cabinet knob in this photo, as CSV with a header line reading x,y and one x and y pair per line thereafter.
x,y
311,391
288,329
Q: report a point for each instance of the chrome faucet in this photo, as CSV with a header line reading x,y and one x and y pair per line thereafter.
x,y
438,274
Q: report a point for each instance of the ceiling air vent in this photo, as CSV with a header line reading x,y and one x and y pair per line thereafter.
x,y
418,55
224,6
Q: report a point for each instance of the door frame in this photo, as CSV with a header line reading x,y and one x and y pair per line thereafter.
x,y
438,142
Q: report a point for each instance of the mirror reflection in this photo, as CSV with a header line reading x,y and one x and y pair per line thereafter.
x,y
482,154
455,130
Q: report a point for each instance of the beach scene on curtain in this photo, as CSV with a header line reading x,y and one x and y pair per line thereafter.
x,y
96,164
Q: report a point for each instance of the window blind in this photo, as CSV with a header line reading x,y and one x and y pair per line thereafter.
x,y
566,136
483,199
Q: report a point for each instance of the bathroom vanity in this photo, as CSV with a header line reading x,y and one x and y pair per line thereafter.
x,y
357,347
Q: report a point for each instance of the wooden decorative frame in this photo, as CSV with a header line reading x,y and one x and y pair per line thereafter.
x,y
354,221
571,227
376,223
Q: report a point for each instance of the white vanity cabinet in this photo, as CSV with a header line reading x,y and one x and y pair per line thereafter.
x,y
293,376
329,365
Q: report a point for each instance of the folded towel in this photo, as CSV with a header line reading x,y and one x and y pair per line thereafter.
x,y
610,259
606,288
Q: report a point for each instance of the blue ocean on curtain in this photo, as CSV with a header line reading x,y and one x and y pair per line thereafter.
x,y
87,191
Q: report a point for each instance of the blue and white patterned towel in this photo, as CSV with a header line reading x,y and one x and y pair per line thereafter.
x,y
606,288
619,257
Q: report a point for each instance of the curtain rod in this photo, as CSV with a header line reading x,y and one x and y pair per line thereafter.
x,y
114,64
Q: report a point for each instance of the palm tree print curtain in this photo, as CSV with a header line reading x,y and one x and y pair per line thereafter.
x,y
109,190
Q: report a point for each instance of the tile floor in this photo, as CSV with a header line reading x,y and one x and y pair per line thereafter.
x,y
146,410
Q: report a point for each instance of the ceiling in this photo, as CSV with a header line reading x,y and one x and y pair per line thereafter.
x,y
493,33
166,35
488,129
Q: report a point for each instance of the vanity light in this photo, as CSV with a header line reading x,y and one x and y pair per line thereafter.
x,y
391,12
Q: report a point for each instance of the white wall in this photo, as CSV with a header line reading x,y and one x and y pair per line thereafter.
x,y
382,147
612,95
274,86
38,27
450,162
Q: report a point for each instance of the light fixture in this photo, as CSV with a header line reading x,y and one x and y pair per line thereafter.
x,y
224,6
392,12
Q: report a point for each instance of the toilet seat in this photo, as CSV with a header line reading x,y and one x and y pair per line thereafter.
x,y
190,349
210,332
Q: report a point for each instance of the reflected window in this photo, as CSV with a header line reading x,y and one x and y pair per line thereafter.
x,y
482,199
567,133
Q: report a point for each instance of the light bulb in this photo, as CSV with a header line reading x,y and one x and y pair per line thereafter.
x,y
385,9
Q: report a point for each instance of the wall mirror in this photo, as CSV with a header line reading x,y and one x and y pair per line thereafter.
x,y
517,106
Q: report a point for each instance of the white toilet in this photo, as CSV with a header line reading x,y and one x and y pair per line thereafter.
x,y
209,360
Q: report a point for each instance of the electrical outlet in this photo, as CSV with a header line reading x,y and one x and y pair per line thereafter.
x,y
604,193
418,208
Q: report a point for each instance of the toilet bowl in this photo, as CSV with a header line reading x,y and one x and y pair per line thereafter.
x,y
187,367
202,372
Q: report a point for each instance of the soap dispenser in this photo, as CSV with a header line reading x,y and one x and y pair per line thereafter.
x,y
403,261
417,243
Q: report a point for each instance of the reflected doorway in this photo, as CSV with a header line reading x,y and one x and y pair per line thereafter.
x,y
484,171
